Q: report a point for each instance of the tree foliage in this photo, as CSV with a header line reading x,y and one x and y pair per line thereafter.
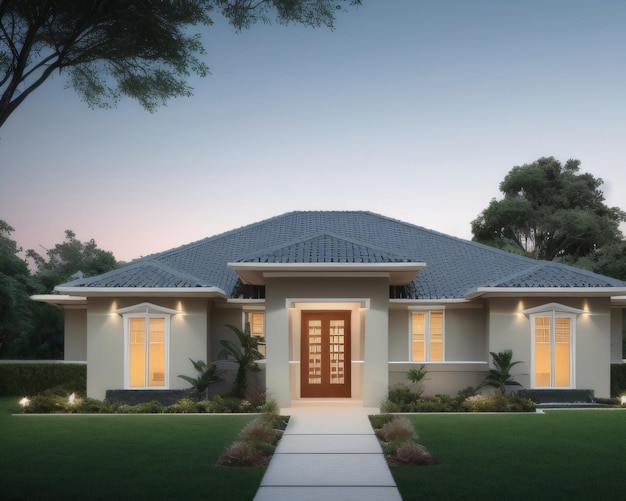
x,y
500,377
549,211
32,330
69,258
142,49
245,353
15,288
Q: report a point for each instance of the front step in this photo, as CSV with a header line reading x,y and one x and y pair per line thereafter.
x,y
326,402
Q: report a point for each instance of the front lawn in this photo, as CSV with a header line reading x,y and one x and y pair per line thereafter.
x,y
558,455
120,457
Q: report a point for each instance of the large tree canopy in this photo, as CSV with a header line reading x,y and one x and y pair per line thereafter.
x,y
29,329
67,259
143,49
549,211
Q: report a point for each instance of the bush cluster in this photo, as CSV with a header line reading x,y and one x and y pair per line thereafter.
x,y
27,378
58,402
618,380
401,399
398,441
256,442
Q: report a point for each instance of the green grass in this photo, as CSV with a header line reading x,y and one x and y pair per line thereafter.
x,y
558,455
120,457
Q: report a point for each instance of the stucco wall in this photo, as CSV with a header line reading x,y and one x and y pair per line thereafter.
x,y
75,341
371,332
465,338
617,334
509,328
105,341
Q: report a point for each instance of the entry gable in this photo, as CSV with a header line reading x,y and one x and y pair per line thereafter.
x,y
147,308
327,253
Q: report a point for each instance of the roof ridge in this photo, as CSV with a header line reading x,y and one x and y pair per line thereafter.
x,y
319,234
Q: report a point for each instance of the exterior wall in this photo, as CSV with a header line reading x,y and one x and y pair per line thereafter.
x,y
509,328
105,341
465,350
617,334
442,378
75,339
369,335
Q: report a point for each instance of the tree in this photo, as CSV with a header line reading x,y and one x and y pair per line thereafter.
x,y
68,259
15,289
549,211
245,354
108,48
40,333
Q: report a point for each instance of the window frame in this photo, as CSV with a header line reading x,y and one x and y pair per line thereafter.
x,y
147,311
262,343
553,311
428,334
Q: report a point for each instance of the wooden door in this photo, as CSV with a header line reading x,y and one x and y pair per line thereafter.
x,y
325,355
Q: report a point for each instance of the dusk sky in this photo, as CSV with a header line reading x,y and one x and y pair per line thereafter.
x,y
413,109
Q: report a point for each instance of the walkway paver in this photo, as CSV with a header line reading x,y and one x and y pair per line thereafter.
x,y
328,453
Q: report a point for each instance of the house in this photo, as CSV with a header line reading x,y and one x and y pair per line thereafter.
x,y
345,303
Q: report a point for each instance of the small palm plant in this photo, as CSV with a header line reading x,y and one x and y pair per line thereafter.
x,y
245,354
207,374
417,378
500,377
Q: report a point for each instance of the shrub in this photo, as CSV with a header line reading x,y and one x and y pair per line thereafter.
x,y
401,395
378,420
183,406
19,379
93,406
46,404
410,452
396,429
152,407
618,380
260,430
243,454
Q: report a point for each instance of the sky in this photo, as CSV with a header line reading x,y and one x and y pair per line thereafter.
x,y
414,109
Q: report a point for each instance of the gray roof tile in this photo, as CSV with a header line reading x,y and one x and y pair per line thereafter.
x,y
454,266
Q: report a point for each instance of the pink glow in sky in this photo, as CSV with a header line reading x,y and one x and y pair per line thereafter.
x,y
415,110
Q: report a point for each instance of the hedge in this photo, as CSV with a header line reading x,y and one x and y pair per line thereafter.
x,y
28,378
618,380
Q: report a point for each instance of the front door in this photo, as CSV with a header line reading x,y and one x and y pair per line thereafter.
x,y
325,356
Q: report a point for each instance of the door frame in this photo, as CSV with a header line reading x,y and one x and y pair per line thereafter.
x,y
326,390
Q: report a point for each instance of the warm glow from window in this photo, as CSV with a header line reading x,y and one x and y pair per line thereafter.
x,y
146,352
427,333
552,351
256,320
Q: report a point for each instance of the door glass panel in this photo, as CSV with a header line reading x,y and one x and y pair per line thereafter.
x,y
562,350
315,352
337,354
137,352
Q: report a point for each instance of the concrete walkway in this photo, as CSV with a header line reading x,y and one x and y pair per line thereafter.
x,y
328,453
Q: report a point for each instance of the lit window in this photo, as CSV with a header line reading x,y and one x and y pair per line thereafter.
x,y
427,332
553,334
256,321
146,346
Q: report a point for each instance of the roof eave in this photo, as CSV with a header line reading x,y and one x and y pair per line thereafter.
x,y
207,292
487,292
398,273
62,300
